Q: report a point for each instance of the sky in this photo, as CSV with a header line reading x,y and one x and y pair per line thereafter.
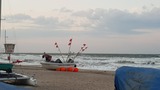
x,y
105,26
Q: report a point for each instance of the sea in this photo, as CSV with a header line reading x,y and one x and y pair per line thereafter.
x,y
106,62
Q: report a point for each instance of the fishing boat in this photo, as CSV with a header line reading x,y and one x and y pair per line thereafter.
x,y
54,66
6,75
16,78
69,62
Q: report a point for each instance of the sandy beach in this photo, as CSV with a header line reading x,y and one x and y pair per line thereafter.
x,y
62,80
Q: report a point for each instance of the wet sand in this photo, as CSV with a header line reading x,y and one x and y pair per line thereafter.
x,y
62,80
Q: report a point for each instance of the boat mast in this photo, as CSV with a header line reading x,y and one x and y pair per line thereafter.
x,y
0,17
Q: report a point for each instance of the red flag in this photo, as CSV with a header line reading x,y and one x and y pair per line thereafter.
x,y
70,40
69,44
84,44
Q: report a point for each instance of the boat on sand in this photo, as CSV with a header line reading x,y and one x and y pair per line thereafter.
x,y
69,62
16,78
6,75
54,66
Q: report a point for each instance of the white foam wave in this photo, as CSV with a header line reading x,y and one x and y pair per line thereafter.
x,y
89,62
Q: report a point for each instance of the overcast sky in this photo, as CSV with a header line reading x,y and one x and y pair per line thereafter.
x,y
105,26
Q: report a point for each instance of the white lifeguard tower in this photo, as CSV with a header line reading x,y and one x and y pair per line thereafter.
x,y
9,49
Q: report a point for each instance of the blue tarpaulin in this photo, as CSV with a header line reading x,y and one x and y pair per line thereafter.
x,y
4,86
137,78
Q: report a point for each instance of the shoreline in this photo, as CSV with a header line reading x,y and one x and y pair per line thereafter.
x,y
63,80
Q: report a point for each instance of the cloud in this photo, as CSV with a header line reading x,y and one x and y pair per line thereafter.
x,y
94,21
112,30
122,22
43,21
65,10
17,18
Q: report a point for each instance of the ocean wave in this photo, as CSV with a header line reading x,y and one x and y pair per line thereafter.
x,y
125,62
